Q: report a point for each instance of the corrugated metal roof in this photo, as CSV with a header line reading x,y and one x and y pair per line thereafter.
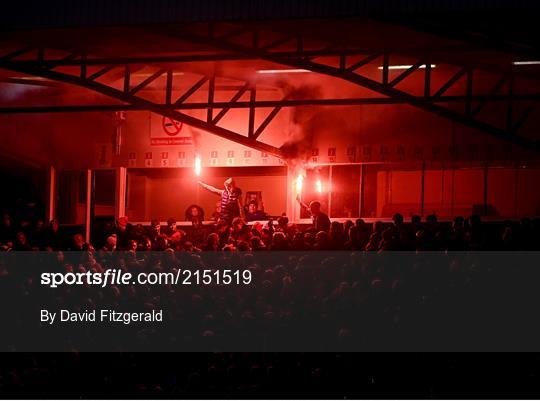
x,y
64,13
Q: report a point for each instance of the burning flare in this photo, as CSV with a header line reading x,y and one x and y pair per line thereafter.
x,y
198,166
299,182
318,186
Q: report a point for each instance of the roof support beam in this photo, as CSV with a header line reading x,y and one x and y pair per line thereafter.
x,y
136,101
384,88
257,104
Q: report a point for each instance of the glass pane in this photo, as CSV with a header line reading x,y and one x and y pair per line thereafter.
x,y
468,192
104,193
501,194
71,207
163,193
388,191
104,187
369,191
438,193
405,195
345,191
528,194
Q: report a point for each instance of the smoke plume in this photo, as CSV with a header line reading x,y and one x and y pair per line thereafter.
x,y
300,133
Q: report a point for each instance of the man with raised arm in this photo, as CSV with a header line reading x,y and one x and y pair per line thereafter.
x,y
321,222
231,202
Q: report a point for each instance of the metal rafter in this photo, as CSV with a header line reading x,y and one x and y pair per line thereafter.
x,y
282,103
306,61
81,59
296,57
128,95
233,100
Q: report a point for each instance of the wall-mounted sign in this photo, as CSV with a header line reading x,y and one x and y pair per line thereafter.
x,y
171,127
165,131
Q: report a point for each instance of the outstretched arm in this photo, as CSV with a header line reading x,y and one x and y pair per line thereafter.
x,y
211,188
302,204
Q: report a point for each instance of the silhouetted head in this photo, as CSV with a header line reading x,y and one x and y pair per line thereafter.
x,y
315,207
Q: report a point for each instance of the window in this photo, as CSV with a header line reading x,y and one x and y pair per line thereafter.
x,y
345,191
528,196
71,196
387,190
501,192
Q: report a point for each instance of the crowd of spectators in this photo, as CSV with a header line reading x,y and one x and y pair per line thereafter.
x,y
461,234
348,304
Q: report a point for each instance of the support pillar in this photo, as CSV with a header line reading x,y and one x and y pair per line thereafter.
x,y
51,198
293,210
120,192
89,205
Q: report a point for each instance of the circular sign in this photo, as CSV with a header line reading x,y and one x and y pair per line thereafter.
x,y
170,126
